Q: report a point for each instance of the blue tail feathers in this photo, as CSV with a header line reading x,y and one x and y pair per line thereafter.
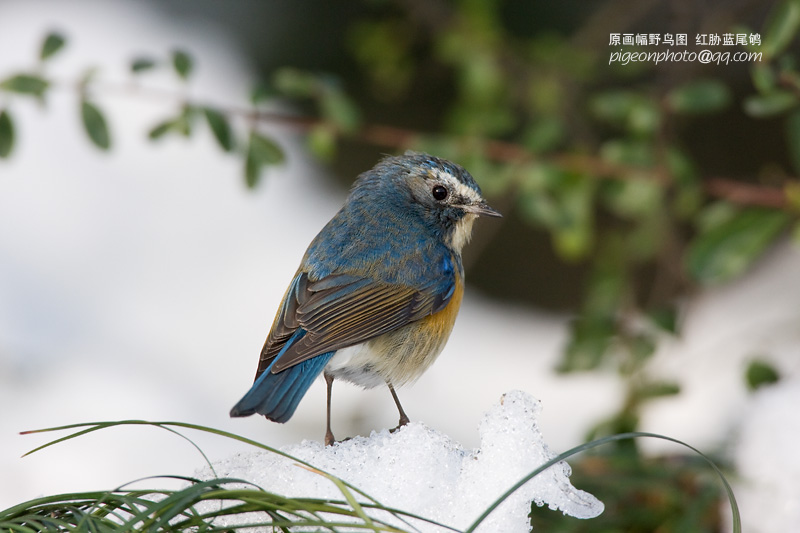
x,y
276,396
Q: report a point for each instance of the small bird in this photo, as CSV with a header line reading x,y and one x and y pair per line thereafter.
x,y
377,291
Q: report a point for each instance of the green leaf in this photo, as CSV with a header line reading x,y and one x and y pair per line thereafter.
x,y
184,124
607,284
644,118
792,193
634,198
634,111
183,64
715,215
261,152
6,134
142,64
635,152
482,77
701,96
545,134
573,228
793,138
266,150
535,203
781,28
95,124
322,142
771,104
252,170
763,77
688,192
760,373
658,389
645,237
261,92
383,48
728,249
220,127
588,342
339,110
294,82
26,84
641,347
666,318
161,129
181,124
52,44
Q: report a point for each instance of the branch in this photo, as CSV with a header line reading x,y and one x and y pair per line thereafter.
x,y
397,138
746,193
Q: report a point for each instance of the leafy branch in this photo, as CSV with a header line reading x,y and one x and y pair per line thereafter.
x,y
337,117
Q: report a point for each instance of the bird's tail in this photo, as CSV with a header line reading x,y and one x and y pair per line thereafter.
x,y
276,396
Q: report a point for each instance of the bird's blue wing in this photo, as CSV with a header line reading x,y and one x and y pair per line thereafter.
x,y
276,396
343,310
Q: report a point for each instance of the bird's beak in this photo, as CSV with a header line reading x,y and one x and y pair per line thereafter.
x,y
483,209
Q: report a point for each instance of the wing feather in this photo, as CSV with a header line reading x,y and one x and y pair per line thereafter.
x,y
341,310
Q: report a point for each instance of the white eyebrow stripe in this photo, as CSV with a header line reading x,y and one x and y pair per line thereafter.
x,y
457,187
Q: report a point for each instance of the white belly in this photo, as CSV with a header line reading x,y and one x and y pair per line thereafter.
x,y
355,364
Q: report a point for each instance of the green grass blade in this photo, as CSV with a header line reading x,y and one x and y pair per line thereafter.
x,y
737,521
89,427
177,508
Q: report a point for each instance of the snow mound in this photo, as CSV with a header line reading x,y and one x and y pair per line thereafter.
x,y
422,471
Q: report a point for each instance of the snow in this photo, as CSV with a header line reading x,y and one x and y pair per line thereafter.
x,y
423,471
767,460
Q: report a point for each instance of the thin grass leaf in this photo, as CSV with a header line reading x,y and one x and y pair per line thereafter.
x,y
737,521
260,500
16,527
347,495
295,508
175,504
145,503
290,512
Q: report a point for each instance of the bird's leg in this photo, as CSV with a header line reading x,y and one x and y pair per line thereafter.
x,y
329,438
403,417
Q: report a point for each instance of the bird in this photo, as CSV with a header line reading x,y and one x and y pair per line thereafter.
x,y
378,289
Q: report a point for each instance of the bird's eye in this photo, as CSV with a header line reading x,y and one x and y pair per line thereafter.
x,y
439,192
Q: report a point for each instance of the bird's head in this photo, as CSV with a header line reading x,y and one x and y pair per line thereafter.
x,y
436,192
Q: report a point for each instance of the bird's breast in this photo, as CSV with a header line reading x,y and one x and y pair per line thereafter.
x,y
399,356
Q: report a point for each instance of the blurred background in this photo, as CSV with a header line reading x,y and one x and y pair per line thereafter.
x,y
166,163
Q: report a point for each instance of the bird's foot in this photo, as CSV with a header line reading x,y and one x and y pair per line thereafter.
x,y
330,440
403,421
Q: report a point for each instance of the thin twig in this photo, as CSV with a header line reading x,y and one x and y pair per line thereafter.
x,y
398,138
745,193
